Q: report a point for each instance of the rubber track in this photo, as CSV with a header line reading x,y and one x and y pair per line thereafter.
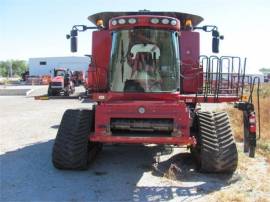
x,y
70,150
218,148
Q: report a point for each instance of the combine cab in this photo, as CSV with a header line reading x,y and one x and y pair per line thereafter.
x,y
148,79
61,83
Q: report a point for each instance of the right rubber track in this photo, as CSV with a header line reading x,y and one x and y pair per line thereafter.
x,y
218,152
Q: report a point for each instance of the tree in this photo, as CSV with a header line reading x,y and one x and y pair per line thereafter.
x,y
265,70
18,67
3,69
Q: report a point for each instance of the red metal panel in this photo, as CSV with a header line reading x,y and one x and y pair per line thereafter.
x,y
192,73
153,109
114,96
101,50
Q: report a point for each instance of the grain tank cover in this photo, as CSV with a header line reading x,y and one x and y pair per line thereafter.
x,y
106,16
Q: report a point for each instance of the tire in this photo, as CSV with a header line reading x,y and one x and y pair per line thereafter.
x,y
50,91
71,146
216,150
66,93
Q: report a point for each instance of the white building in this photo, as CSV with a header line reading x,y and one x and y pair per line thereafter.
x,y
42,66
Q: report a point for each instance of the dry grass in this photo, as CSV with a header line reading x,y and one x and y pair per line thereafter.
x,y
263,146
225,196
252,186
236,196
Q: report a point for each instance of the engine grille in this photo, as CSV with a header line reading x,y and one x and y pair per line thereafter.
x,y
56,84
141,127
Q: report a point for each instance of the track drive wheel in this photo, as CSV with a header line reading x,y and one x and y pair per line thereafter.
x,y
216,150
72,149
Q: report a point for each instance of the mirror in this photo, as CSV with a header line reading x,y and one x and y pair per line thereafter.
x,y
215,41
73,40
215,45
73,44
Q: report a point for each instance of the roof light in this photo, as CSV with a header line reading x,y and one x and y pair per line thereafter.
x,y
165,21
121,21
114,22
173,22
99,23
132,21
155,20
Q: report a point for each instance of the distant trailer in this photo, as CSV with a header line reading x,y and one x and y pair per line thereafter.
x,y
43,66
249,78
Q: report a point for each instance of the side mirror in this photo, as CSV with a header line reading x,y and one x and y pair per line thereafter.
x,y
215,41
73,40
73,44
215,45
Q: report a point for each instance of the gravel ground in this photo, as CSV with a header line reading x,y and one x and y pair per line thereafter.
x,y
120,172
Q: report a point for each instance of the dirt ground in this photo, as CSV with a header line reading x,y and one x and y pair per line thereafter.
x,y
120,173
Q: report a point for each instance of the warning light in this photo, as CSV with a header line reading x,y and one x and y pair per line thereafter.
x,y
188,23
100,23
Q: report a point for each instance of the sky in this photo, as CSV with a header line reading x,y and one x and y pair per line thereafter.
x,y
35,28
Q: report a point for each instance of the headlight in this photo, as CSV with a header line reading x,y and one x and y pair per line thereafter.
x,y
165,21
173,22
155,20
121,21
114,22
132,21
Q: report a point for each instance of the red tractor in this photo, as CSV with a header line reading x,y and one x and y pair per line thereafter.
x,y
148,79
61,83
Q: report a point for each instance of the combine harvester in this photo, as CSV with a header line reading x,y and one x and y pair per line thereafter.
x,y
148,79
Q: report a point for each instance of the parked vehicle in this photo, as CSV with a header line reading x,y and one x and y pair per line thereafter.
x,y
61,83
147,79
78,78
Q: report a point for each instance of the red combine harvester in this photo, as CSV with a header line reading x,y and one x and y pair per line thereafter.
x,y
148,79
61,82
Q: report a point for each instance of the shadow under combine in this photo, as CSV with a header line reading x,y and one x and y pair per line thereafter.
x,y
27,174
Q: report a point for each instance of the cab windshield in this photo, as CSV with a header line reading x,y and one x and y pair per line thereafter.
x,y
144,60
59,73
